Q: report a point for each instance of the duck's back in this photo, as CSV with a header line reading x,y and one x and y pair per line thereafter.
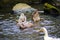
x,y
50,38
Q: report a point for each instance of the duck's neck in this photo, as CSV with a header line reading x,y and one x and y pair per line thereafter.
x,y
46,33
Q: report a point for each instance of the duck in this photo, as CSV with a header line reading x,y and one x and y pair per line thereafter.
x,y
35,16
28,24
23,23
22,18
46,37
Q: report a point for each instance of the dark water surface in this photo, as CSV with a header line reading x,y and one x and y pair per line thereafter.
x,y
10,31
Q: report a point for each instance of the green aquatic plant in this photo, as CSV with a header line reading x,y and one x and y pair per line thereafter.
x,y
50,7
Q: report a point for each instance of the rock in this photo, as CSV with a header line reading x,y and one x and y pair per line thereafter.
x,y
22,8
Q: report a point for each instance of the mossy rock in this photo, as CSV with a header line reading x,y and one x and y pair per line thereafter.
x,y
22,8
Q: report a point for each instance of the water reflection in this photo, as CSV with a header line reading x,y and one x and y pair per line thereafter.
x,y
10,31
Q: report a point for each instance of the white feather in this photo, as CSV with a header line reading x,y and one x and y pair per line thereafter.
x,y
22,18
46,37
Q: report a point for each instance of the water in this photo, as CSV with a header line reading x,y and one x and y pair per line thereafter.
x,y
10,31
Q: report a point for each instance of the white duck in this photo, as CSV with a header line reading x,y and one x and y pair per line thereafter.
x,y
23,23
22,18
28,24
36,16
46,37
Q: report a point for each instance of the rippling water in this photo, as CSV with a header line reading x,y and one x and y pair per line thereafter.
x,y
10,31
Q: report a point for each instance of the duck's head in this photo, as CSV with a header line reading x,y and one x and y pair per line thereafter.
x,y
22,14
43,29
35,12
